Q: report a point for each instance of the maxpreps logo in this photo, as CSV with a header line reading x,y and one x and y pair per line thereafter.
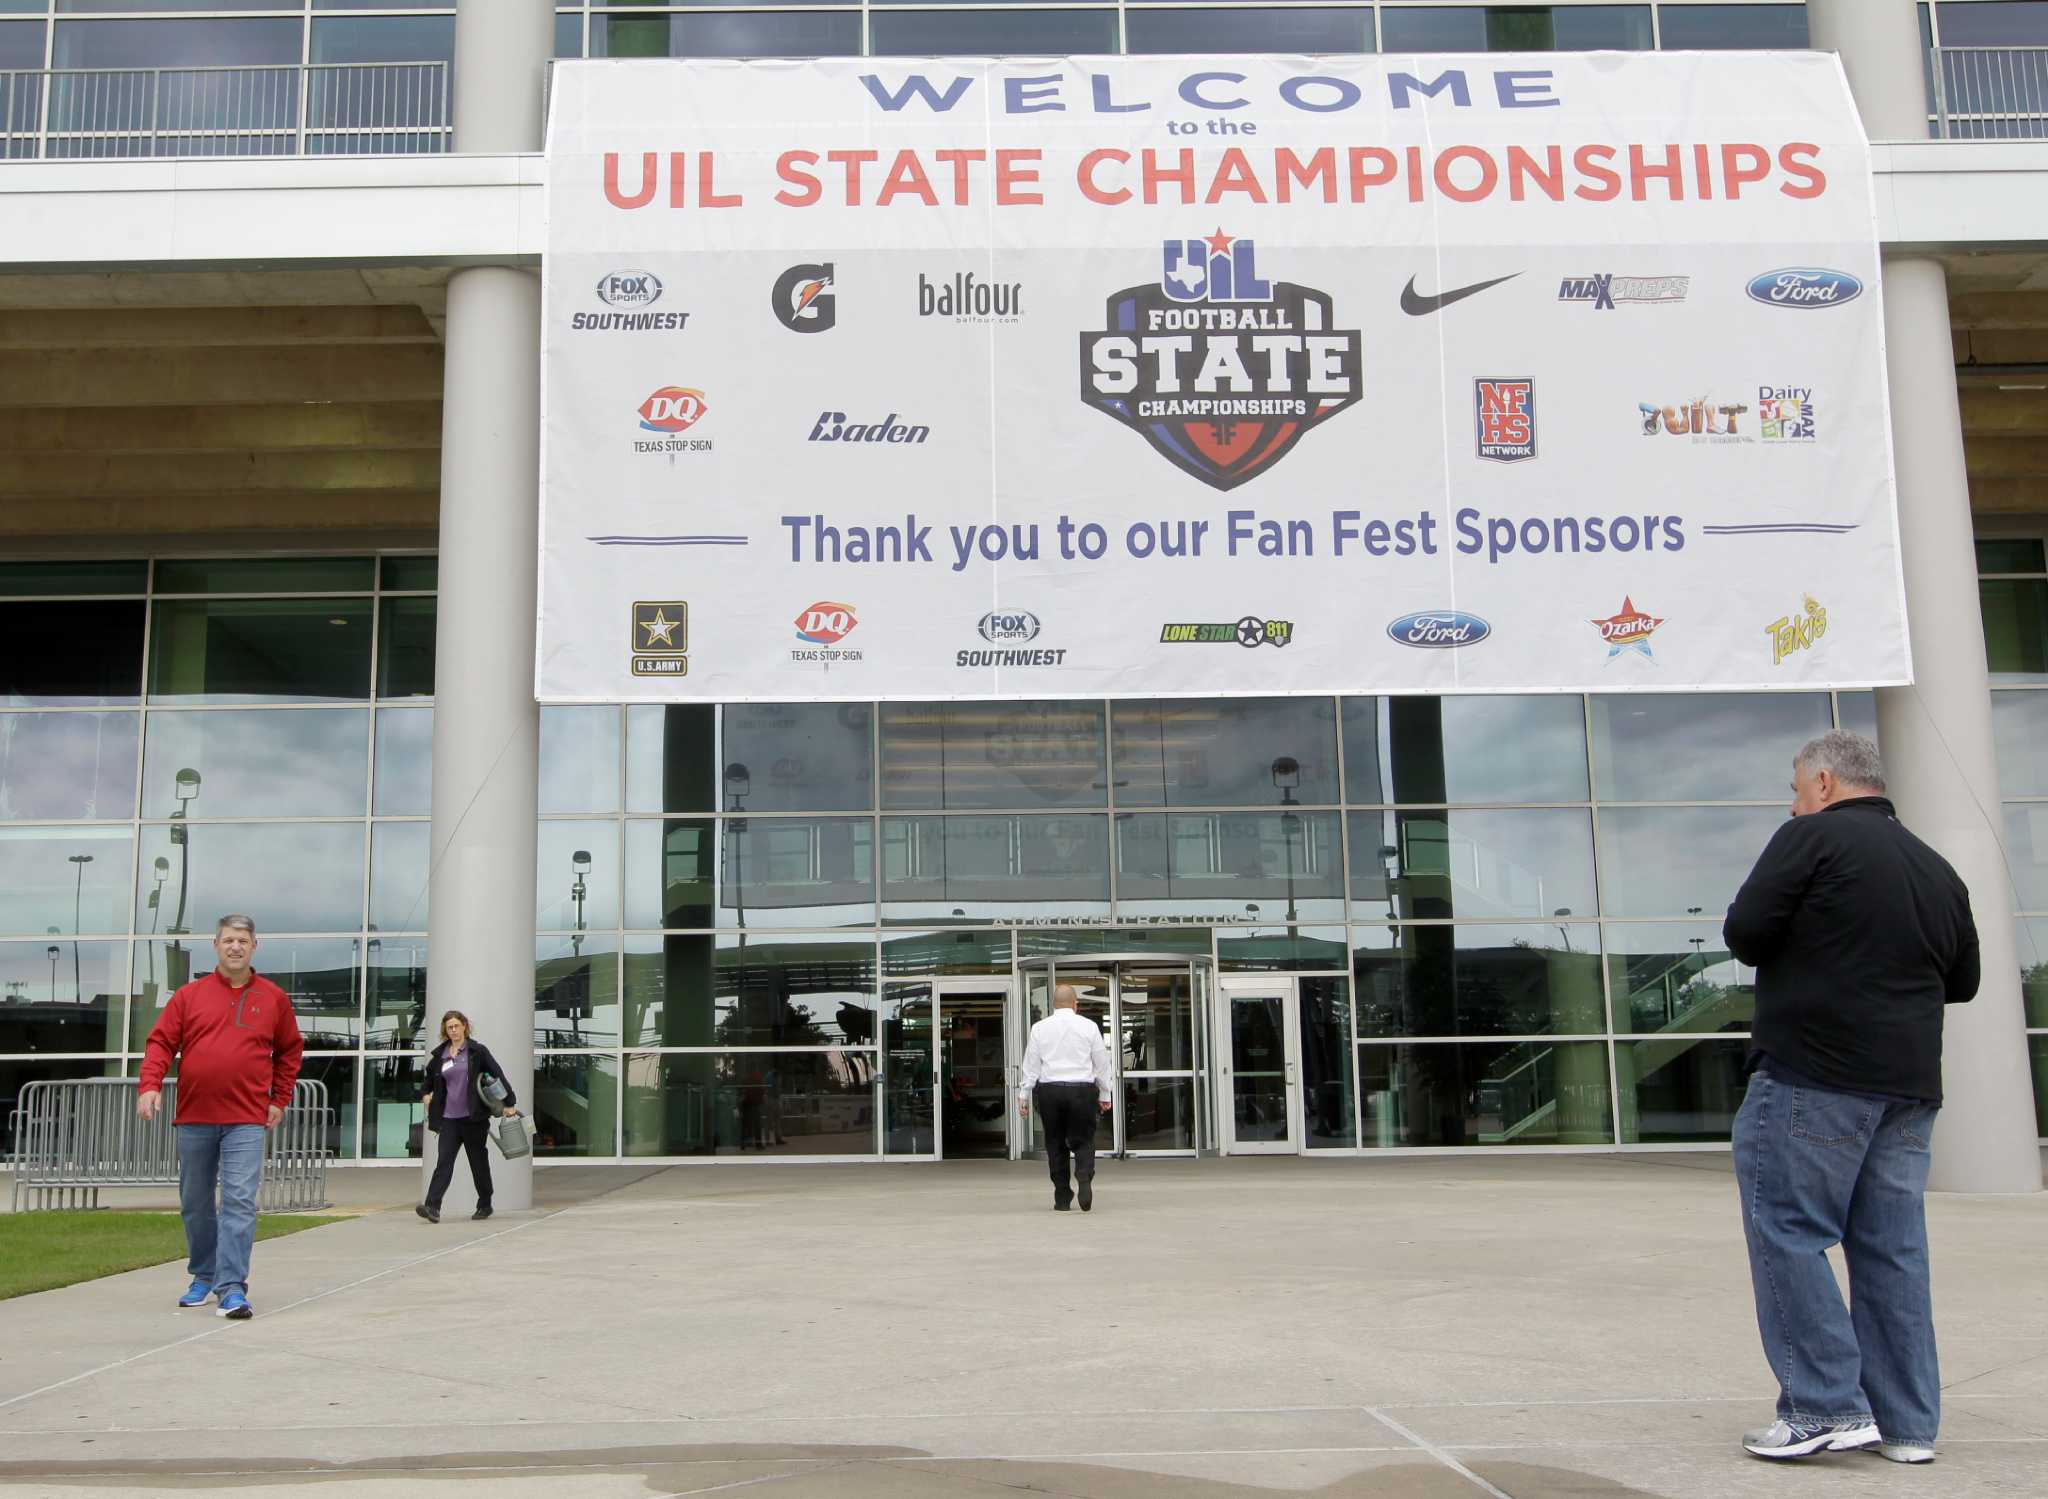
x,y
1628,630
661,638
1249,632
671,411
1219,369
821,626
629,290
1504,416
1604,293
1784,413
801,301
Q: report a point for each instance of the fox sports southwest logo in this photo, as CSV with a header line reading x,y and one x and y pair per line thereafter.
x,y
1439,629
1008,626
629,289
1804,287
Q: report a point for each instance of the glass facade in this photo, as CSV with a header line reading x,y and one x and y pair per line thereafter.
x,y
2013,584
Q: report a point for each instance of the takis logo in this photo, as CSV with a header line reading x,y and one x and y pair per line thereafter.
x,y
800,300
1008,625
629,289
1438,629
1784,413
1797,632
1249,632
825,623
673,408
1695,419
1804,287
1628,630
1218,368
1504,413
1608,291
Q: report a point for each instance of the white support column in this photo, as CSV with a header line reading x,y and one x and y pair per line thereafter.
x,y
1937,740
486,726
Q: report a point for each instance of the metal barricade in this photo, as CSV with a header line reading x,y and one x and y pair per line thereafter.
x,y
75,1136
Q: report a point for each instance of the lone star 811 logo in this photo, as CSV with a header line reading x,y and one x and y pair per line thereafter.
x,y
1221,370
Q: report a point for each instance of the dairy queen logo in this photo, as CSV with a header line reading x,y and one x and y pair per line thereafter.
x,y
1220,369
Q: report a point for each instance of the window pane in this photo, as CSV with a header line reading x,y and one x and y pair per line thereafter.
x,y
87,7
1678,1090
568,36
669,873
1270,866
70,655
1525,1093
266,575
260,650
410,573
1478,980
1857,712
28,580
770,1103
405,762
2019,726
671,759
576,991
576,876
1430,749
397,980
297,763
2026,851
668,991
62,995
1676,747
964,756
319,974
64,881
1994,555
798,757
1679,861
1472,862
1515,28
57,765
1327,1112
1234,752
2002,23
175,44
1685,27
1677,977
21,47
727,34
575,1106
1037,33
787,991
393,1121
405,648
786,871
289,877
398,876
1158,1017
2033,945
2016,629
338,1075
994,868
926,954
1225,29
2037,1053
579,759
1159,1113
385,39
1280,949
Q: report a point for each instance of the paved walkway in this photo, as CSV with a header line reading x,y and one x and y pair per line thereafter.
x,y
1422,1328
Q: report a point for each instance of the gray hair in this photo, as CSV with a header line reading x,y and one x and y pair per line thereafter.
x,y
234,920
1850,758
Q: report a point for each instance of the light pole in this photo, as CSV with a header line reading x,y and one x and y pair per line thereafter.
x,y
51,951
1287,776
737,784
162,871
186,784
77,901
1563,930
579,888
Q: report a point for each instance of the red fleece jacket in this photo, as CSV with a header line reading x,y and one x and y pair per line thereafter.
x,y
238,1050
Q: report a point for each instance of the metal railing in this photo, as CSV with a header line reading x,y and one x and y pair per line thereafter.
x,y
1990,93
75,1136
325,109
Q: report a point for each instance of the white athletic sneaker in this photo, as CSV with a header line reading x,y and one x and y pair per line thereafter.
x,y
1782,1439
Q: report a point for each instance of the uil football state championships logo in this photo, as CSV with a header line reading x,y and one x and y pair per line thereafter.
x,y
1221,370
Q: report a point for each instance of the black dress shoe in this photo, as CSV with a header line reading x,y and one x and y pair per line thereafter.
x,y
431,1214
1087,1196
1061,1207
482,1212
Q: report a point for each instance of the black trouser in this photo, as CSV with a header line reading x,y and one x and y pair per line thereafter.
x,y
470,1136
1068,1111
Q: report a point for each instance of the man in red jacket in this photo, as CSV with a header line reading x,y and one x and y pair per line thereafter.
x,y
237,1045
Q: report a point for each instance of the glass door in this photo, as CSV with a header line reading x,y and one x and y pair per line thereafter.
x,y
972,1088
908,1061
1261,1040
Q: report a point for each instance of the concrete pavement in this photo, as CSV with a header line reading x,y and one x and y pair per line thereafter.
x,y
1535,1328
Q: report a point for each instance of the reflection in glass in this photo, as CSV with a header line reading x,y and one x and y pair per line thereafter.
x,y
1478,980
576,876
753,1102
1225,752
987,33
1449,749
1258,1064
727,34
579,759
405,648
802,757
338,1074
1671,861
2033,946
968,952
1497,1093
964,756
397,985
311,762
1472,862
260,650
1678,1089
1158,1021
2026,853
668,991
1214,29
1063,941
1278,949
1705,27
60,881
908,1059
1677,978
1327,1114
797,871
1688,746
55,766
15,1074
398,876
671,759
393,1119
669,872
994,868
405,762
2015,628
575,1105
318,975
288,876
575,991
1159,1114
71,655
1271,866
62,995
1516,28
785,991
2019,727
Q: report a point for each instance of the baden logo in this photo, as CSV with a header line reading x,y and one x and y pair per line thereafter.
x,y
832,426
1504,412
825,623
966,300
1249,632
801,301
1797,632
1606,292
1628,630
629,290
1008,625
1219,369
661,638
1439,630
1784,413
1702,420
1805,287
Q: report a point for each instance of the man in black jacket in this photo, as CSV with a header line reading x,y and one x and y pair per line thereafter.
x,y
1860,934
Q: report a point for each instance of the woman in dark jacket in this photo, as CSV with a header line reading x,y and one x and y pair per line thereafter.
x,y
459,1113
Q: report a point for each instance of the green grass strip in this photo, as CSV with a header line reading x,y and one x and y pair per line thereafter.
x,y
42,1251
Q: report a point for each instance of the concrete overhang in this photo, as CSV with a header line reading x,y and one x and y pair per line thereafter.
x,y
1940,196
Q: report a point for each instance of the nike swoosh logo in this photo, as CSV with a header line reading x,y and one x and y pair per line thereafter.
x,y
1415,304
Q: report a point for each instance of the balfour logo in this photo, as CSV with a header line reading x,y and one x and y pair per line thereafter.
x,y
1797,632
1784,413
967,300
800,300
832,426
673,408
1249,632
1698,419
1607,291
825,623
1439,629
1219,369
1804,287
1504,413
1628,630
1008,625
629,289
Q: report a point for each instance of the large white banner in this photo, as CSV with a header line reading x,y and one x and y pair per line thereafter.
x,y
888,378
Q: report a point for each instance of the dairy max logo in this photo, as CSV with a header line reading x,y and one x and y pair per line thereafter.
x,y
1008,625
629,289
673,408
1805,287
1439,630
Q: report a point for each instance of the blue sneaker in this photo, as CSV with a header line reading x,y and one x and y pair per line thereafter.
x,y
235,1307
196,1294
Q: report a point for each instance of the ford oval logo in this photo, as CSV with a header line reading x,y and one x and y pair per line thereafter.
x,y
1439,629
1805,286
629,289
1008,624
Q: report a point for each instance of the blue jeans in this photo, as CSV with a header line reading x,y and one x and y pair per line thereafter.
x,y
218,1242
1818,1168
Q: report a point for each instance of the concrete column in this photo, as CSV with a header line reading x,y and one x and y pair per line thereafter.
x,y
1937,733
486,726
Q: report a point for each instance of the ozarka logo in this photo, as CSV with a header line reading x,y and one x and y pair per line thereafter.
x,y
1627,630
1220,370
800,301
1504,415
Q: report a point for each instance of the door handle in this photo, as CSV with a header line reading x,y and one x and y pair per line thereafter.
x,y
1290,1074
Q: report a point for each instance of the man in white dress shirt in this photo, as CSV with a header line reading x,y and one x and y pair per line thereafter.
x,y
1067,1073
